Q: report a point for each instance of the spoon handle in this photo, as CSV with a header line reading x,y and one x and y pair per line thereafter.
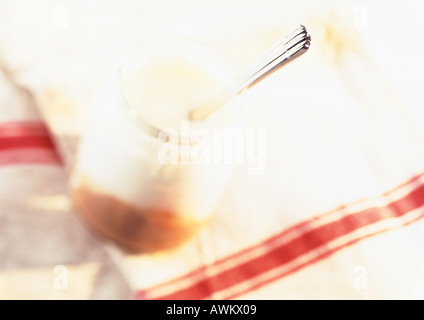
x,y
284,51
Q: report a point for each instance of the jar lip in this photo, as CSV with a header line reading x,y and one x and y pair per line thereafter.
x,y
136,120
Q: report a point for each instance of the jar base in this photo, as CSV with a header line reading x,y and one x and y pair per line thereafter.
x,y
134,229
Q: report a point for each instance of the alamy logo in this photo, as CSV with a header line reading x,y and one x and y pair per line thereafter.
x,y
360,280
61,279
361,17
235,146
60,20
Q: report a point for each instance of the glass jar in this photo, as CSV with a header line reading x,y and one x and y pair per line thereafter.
x,y
145,176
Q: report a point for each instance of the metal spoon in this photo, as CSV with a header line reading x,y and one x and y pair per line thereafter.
x,y
284,51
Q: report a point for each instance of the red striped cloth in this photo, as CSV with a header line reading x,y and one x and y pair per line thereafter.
x,y
27,142
347,132
298,246
288,252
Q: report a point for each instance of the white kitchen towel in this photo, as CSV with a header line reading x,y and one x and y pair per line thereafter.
x,y
337,212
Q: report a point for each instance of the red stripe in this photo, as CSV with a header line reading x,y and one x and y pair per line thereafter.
x,y
305,225
22,128
323,255
28,156
308,240
43,142
26,142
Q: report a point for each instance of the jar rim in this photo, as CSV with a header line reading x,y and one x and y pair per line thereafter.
x,y
135,119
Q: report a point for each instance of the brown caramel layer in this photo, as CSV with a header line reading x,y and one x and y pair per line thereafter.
x,y
135,229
